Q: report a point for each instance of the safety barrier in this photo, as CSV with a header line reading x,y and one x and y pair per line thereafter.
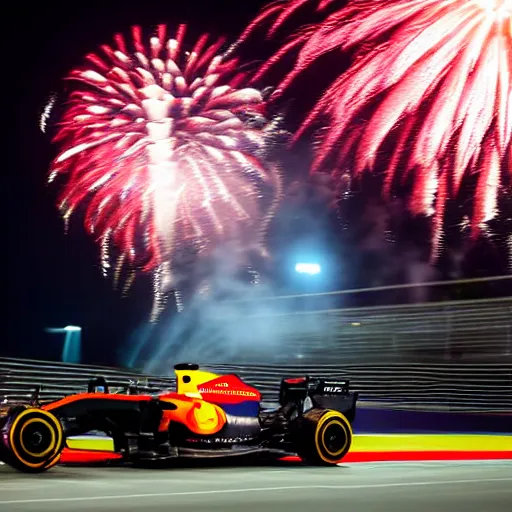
x,y
19,378
470,330
458,387
465,387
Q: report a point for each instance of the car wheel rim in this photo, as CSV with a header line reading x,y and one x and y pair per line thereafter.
x,y
334,438
37,438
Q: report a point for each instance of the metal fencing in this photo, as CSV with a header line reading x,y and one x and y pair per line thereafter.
x,y
477,331
19,378
463,387
453,355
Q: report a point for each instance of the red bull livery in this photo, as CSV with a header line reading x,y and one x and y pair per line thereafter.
x,y
207,415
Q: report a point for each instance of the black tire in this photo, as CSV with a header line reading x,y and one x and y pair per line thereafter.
x,y
35,440
324,437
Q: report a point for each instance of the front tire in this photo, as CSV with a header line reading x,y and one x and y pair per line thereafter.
x,y
325,437
35,440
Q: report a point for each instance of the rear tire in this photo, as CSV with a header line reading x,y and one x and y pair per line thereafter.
x,y
35,440
324,437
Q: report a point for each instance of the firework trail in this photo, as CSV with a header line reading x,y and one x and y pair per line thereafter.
x,y
435,75
166,147
47,111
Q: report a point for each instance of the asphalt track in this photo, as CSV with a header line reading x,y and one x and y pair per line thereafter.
x,y
407,487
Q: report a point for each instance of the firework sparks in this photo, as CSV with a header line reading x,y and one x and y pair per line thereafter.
x,y
435,75
47,111
168,148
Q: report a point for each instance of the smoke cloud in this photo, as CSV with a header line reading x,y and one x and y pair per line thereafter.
x,y
231,314
232,319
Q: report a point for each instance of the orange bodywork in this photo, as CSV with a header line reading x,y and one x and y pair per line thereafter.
x,y
103,396
196,392
198,416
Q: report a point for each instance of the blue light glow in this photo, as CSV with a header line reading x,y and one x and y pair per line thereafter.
x,y
308,268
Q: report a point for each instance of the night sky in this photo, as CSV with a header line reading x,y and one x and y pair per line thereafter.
x,y
54,279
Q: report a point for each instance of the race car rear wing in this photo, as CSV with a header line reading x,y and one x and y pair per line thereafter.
x,y
332,387
293,388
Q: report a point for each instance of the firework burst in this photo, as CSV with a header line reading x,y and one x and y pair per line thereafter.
x,y
434,75
167,148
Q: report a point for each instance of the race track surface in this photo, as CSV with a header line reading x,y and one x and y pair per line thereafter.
x,y
380,487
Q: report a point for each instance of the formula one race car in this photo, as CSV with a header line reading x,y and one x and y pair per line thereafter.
x,y
206,416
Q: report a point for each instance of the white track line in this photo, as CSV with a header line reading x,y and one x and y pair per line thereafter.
x,y
253,489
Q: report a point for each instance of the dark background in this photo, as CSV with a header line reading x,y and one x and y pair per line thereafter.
x,y
53,278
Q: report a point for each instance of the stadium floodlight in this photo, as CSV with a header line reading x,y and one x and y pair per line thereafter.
x,y
72,342
308,268
72,328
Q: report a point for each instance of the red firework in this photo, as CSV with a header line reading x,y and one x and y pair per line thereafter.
x,y
435,74
166,146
